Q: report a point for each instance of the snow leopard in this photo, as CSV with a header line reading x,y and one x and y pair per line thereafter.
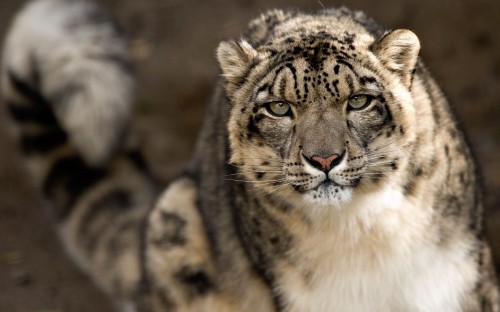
x,y
329,175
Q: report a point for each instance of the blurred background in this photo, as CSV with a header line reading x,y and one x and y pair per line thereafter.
x,y
173,43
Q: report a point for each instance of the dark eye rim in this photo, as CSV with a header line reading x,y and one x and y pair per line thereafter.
x,y
288,113
369,97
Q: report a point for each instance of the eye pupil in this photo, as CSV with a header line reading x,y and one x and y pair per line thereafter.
x,y
358,101
279,109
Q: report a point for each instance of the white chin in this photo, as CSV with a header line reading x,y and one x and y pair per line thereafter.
x,y
329,194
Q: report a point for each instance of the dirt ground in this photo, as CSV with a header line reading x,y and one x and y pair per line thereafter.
x,y
174,44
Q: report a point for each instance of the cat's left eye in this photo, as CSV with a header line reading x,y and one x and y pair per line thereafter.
x,y
279,109
358,102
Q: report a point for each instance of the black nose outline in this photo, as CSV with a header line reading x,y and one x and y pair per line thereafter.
x,y
324,163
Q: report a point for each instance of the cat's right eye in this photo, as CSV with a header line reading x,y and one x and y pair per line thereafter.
x,y
279,109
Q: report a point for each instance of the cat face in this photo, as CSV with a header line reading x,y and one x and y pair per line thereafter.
x,y
321,113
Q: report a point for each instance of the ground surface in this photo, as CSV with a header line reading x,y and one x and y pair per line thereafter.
x,y
174,42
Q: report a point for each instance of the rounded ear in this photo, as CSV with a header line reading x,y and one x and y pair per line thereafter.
x,y
235,58
398,52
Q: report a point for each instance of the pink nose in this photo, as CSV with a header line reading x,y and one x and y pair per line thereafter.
x,y
324,164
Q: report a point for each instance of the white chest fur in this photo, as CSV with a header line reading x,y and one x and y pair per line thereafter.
x,y
379,254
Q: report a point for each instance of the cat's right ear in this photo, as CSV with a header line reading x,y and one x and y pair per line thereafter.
x,y
235,58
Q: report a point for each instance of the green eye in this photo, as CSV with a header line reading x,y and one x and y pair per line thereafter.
x,y
359,101
279,109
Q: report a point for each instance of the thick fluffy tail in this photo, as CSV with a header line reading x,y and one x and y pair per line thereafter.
x,y
68,83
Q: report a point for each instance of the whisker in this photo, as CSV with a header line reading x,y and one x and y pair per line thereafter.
x,y
382,163
387,144
257,171
256,181
276,189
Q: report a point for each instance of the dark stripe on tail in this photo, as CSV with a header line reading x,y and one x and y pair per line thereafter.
x,y
37,111
28,92
42,142
138,160
102,213
40,114
68,179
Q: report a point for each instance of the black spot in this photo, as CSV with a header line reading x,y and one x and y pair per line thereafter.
x,y
394,165
138,160
196,281
258,118
418,172
366,80
388,117
345,63
259,175
336,69
262,88
67,180
173,228
252,127
274,240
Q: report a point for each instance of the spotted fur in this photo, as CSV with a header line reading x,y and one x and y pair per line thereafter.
x,y
330,174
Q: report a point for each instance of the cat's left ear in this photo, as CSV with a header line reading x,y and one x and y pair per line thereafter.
x,y
235,58
398,52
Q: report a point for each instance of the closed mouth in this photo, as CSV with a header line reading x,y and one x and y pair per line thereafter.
x,y
325,183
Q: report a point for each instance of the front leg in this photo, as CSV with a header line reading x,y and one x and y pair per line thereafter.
x,y
181,272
